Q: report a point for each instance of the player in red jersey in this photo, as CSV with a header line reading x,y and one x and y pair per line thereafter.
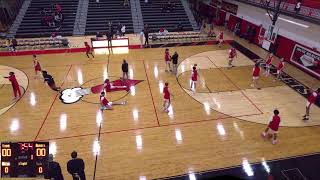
x,y
273,127
15,84
194,79
280,68
106,105
88,50
166,97
220,38
36,65
255,76
167,59
311,100
268,64
232,55
107,86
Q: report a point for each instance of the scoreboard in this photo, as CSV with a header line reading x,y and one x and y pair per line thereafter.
x,y
24,159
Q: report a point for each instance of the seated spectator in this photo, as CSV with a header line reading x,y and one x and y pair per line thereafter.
x,y
58,17
179,27
58,8
168,7
98,35
163,32
126,3
211,32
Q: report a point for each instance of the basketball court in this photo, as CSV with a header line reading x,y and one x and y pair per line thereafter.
x,y
216,127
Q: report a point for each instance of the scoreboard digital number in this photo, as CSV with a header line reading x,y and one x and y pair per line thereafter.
x,y
24,159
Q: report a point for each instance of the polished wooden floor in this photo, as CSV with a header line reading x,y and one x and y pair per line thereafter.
x,y
219,126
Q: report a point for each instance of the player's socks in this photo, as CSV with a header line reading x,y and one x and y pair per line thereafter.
x,y
274,142
264,134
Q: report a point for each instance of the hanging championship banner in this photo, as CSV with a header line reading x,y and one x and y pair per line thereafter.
x,y
307,59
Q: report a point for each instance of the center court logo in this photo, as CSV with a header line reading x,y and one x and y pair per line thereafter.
x,y
75,94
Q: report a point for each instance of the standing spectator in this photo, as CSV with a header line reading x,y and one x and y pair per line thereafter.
x,y
123,30
298,7
54,170
14,43
125,69
76,166
141,38
146,35
119,29
174,58
109,38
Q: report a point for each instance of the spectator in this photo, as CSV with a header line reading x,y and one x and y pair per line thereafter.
x,y
211,32
126,3
125,68
267,2
109,38
54,170
146,34
76,167
179,27
174,58
163,32
58,8
98,35
111,31
123,30
146,1
14,43
119,28
297,7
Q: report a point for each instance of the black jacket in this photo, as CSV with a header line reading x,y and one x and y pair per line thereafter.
x,y
175,58
54,171
124,67
75,166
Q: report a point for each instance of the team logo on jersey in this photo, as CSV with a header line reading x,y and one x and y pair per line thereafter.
x,y
75,94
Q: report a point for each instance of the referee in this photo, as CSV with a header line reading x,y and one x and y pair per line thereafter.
x,y
75,167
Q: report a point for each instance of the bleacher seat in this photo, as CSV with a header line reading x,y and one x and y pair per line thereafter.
x,y
99,14
153,16
31,24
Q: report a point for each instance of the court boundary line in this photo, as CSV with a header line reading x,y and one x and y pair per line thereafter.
x,y
151,127
154,106
54,100
225,75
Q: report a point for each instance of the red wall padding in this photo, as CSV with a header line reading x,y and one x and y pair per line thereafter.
x,y
308,3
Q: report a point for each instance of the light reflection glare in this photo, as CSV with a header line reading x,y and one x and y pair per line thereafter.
x,y
105,74
216,103
135,114
130,73
99,118
142,178
182,68
170,113
236,127
265,165
80,76
15,125
156,71
161,85
221,130
139,142
63,122
115,50
247,167
96,147
33,101
207,107
178,136
132,90
53,148
192,176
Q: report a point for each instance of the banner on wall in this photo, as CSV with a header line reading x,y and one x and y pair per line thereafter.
x,y
307,59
